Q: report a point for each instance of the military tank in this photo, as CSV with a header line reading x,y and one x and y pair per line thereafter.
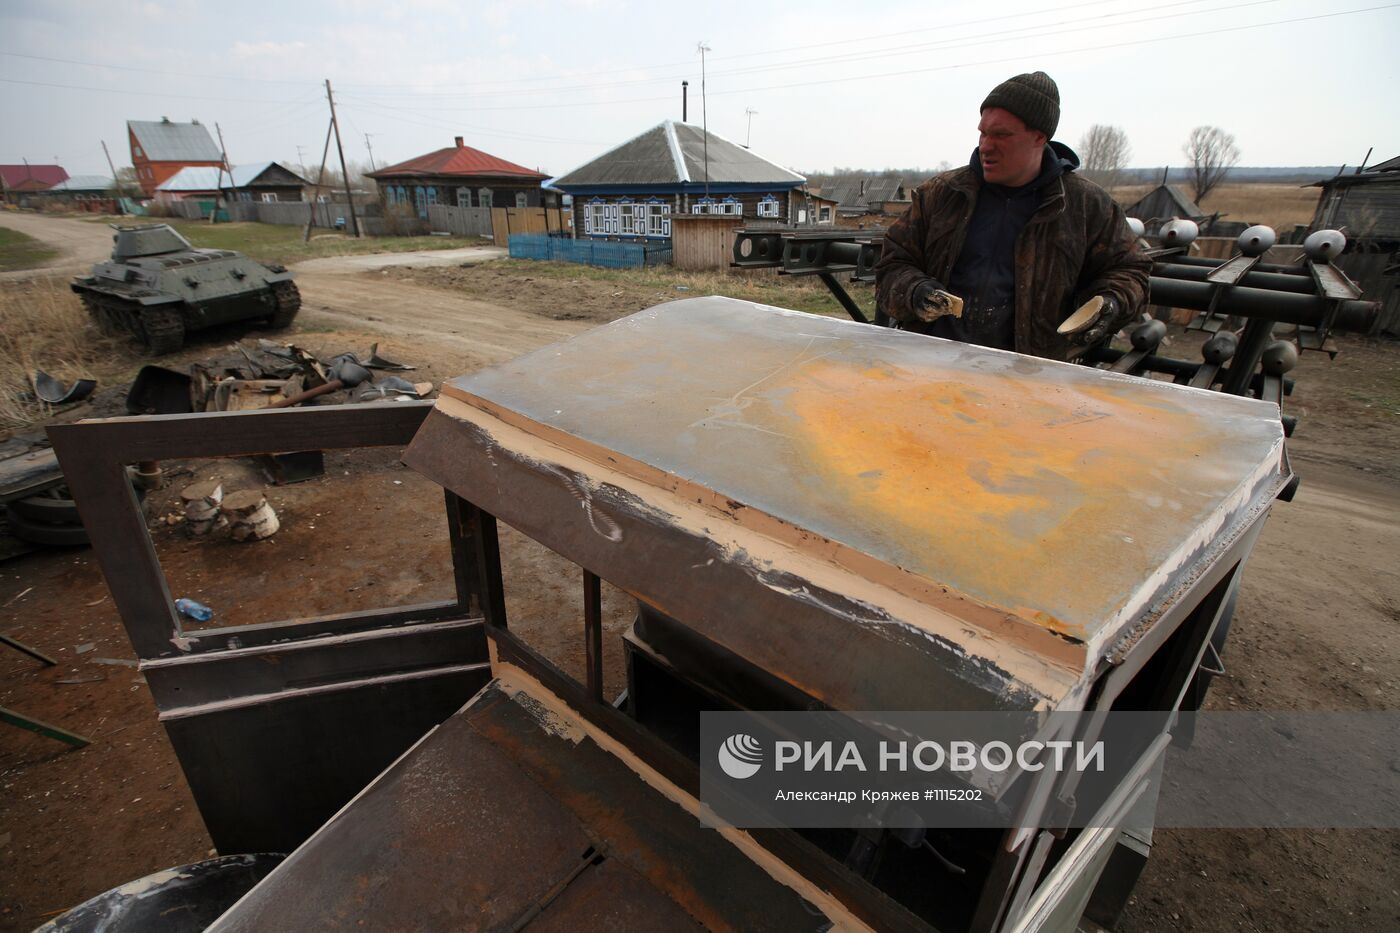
x,y
157,288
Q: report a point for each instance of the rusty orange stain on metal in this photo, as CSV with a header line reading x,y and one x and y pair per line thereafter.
x,y
989,477
1063,495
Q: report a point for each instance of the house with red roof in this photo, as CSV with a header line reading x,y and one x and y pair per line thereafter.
x,y
22,178
458,176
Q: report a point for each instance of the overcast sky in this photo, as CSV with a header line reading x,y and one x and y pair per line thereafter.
x,y
551,85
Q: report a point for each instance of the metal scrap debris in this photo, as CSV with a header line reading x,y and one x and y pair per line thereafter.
x,y
50,390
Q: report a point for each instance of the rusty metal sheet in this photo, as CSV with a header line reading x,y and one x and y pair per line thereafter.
x,y
1067,497
508,816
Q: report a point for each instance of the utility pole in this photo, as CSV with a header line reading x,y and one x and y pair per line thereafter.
x,y
349,196
370,149
301,162
320,180
223,167
116,182
704,115
749,111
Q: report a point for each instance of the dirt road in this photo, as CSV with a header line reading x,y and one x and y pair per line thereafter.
x,y
465,333
80,243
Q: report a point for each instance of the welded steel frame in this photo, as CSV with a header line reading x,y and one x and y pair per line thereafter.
x,y
1267,294
1174,635
276,724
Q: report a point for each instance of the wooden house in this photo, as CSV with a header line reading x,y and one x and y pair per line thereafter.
x,y
857,195
160,149
24,178
267,182
630,192
458,176
1366,206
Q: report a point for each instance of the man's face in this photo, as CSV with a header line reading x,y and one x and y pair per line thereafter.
x,y
1010,152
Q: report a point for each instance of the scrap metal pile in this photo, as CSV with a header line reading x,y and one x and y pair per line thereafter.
x,y
270,375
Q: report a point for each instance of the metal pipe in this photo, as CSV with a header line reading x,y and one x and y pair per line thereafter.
x,y
1208,262
1284,307
1272,281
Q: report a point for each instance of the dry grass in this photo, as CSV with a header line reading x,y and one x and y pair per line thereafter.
x,y
1279,206
43,326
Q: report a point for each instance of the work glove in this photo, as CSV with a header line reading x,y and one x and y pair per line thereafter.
x,y
1104,325
931,302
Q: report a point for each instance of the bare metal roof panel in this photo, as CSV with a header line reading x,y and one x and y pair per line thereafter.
x,y
174,142
674,153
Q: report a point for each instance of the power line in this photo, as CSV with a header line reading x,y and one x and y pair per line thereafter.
x,y
1043,54
166,94
153,71
1040,30
765,53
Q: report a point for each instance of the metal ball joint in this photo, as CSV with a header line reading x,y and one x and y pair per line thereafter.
x,y
1220,348
1324,244
1279,357
1179,233
1256,240
1148,335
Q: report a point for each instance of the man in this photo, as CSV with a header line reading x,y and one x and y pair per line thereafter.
x,y
1000,253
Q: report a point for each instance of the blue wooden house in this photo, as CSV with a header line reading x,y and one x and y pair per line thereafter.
x,y
631,192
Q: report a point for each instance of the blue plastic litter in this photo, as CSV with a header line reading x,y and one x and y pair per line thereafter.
x,y
197,611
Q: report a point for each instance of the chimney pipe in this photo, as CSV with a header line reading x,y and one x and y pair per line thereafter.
x,y
685,102
459,141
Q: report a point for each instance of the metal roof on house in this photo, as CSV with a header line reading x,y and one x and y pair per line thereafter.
x,y
1389,165
855,193
460,159
164,141
673,153
32,176
206,177
84,183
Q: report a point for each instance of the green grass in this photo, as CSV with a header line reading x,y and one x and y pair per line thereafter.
x,y
282,243
800,293
20,251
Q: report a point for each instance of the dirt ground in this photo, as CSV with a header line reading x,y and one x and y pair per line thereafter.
x,y
1317,627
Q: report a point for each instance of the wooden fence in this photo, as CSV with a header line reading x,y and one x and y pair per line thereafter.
x,y
508,220
459,221
703,242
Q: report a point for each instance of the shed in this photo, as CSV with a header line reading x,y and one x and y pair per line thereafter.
x,y
261,181
631,191
459,176
1163,203
1366,206
160,148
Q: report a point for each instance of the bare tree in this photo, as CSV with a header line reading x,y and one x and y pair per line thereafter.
x,y
1105,152
1211,153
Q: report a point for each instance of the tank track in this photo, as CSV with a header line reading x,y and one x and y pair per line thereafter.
x,y
161,329
113,317
287,297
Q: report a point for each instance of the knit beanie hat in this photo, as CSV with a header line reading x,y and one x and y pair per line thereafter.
x,y
1034,98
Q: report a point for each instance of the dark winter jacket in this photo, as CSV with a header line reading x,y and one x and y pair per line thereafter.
x,y
1075,244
